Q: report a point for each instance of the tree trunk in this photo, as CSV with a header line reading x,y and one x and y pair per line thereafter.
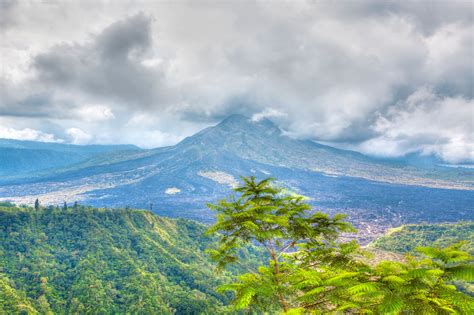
x,y
276,273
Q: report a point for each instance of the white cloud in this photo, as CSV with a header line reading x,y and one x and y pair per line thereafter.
x,y
341,72
27,134
78,136
267,113
152,63
449,65
153,138
141,119
426,123
95,113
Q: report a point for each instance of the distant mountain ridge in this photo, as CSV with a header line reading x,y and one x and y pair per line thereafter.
x,y
263,142
19,157
179,180
252,140
61,147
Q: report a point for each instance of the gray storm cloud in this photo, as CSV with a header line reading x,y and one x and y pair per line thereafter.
x,y
383,77
108,66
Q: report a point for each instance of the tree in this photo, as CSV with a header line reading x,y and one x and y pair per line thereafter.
x,y
37,204
420,285
423,285
65,206
310,271
281,224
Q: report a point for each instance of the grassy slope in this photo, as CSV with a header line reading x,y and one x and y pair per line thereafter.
x,y
407,237
111,261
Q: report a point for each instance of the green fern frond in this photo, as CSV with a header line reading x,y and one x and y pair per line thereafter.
x,y
343,275
393,279
244,298
391,305
464,272
363,287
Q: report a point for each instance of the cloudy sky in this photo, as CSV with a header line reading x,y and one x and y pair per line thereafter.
x,y
382,77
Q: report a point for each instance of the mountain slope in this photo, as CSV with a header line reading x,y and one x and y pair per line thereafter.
x,y
21,157
178,181
119,261
13,301
263,142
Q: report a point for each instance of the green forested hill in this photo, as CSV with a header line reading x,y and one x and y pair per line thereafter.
x,y
407,237
81,260
84,260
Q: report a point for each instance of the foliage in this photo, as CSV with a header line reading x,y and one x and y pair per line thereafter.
x,y
73,260
279,223
419,286
309,271
13,301
407,237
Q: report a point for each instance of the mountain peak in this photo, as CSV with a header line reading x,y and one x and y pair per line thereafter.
x,y
243,123
235,119
232,129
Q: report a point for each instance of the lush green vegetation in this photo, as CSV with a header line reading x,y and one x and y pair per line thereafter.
x,y
407,237
83,260
309,271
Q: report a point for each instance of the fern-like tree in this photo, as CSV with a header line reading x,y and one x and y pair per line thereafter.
x,y
423,284
264,215
310,271
418,285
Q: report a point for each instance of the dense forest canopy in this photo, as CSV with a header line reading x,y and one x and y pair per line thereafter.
x,y
407,237
273,254
85,260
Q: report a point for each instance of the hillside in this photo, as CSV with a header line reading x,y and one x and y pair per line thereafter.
x,y
178,181
261,142
124,261
407,237
23,157
265,143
